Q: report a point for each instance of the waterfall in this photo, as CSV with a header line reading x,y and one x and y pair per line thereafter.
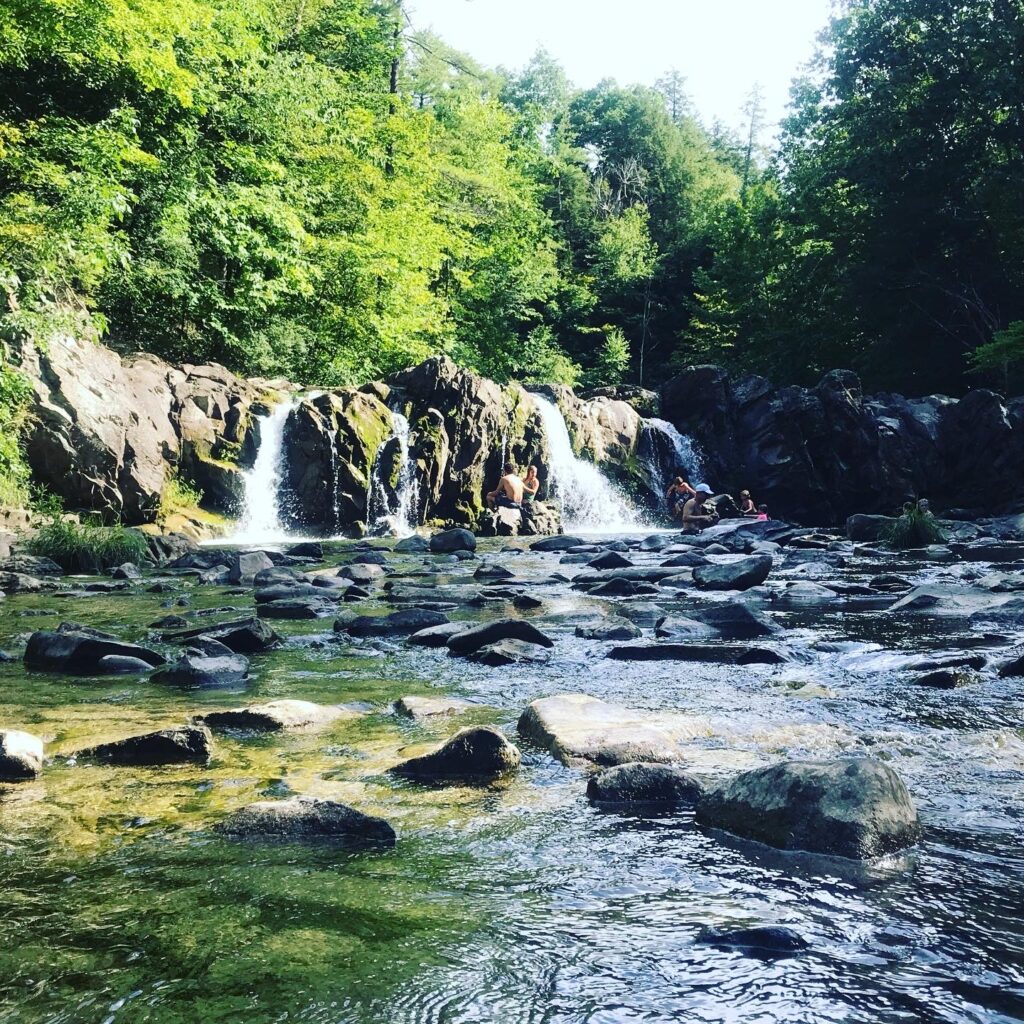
x,y
260,522
673,453
394,513
588,500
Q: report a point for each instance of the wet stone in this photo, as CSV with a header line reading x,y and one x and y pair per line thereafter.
x,y
475,637
437,636
195,670
740,575
243,636
276,716
424,708
450,541
82,653
509,652
733,654
610,629
762,940
643,782
21,755
476,752
305,818
947,679
168,746
401,623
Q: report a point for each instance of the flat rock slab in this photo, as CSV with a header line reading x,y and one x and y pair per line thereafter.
x,y
475,637
401,623
858,809
739,575
437,636
645,783
577,729
21,755
196,670
168,746
243,636
476,752
304,818
611,629
420,709
509,652
732,654
277,716
68,650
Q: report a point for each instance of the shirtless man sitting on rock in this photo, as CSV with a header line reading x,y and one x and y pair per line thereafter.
x,y
695,512
509,492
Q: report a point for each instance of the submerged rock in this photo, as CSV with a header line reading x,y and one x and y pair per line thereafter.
x,y
643,782
475,752
735,620
611,629
362,573
857,809
734,654
422,708
739,575
311,549
276,716
307,818
297,608
83,653
761,939
475,637
168,746
947,678
21,755
196,670
401,623
509,652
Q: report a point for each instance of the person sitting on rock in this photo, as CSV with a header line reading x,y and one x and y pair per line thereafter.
x,y
679,491
696,512
747,506
531,484
509,492
762,514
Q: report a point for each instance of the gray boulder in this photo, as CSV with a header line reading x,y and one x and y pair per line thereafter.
x,y
612,629
243,636
168,746
475,752
610,560
449,541
276,716
475,637
82,653
643,782
401,623
412,545
557,543
297,608
304,818
509,652
21,755
734,654
735,620
436,636
199,671
740,575
31,565
126,571
857,809
246,564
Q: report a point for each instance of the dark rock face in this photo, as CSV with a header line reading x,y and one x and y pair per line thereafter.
x,y
243,636
643,782
857,809
199,671
82,654
402,623
436,636
475,752
168,746
827,452
452,540
106,431
303,818
729,653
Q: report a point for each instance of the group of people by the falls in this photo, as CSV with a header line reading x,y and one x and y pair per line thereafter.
x,y
693,507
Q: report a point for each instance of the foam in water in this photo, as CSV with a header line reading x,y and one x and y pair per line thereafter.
x,y
685,453
400,520
588,500
261,515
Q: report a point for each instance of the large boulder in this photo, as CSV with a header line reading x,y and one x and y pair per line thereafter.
x,y
857,809
21,755
304,818
472,639
243,636
452,540
475,752
168,746
740,575
82,653
406,622
640,782
199,670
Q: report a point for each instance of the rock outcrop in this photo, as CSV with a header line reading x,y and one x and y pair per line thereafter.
x,y
827,452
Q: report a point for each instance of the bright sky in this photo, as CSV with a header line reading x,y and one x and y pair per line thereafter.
x,y
722,46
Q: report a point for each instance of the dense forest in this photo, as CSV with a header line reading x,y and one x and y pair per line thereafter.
x,y
312,188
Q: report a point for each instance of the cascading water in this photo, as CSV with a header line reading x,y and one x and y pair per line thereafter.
x,y
588,500
261,515
673,453
395,513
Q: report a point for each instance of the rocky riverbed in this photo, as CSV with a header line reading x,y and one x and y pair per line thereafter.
x,y
768,772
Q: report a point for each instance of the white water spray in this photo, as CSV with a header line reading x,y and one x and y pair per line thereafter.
x,y
589,501
686,455
261,515
397,516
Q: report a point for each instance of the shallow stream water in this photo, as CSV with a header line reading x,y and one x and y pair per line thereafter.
x,y
518,902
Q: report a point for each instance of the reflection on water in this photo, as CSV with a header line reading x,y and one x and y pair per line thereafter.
x,y
519,903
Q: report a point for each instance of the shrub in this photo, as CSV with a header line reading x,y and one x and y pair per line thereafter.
x,y
14,395
88,548
178,496
916,528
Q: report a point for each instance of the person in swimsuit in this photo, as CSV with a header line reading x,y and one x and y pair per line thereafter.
x,y
679,491
509,492
695,514
747,506
531,484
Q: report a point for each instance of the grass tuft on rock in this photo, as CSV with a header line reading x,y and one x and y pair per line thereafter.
x,y
916,528
87,548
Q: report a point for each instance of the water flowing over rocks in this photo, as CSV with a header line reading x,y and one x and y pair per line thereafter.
x,y
858,809
21,755
276,716
305,818
762,940
82,653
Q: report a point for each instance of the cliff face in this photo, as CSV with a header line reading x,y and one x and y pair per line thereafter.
x,y
820,454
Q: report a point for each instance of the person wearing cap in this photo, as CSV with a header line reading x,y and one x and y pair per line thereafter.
x,y
695,513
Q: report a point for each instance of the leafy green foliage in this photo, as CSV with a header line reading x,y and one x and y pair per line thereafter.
x,y
14,394
1003,357
916,528
85,548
